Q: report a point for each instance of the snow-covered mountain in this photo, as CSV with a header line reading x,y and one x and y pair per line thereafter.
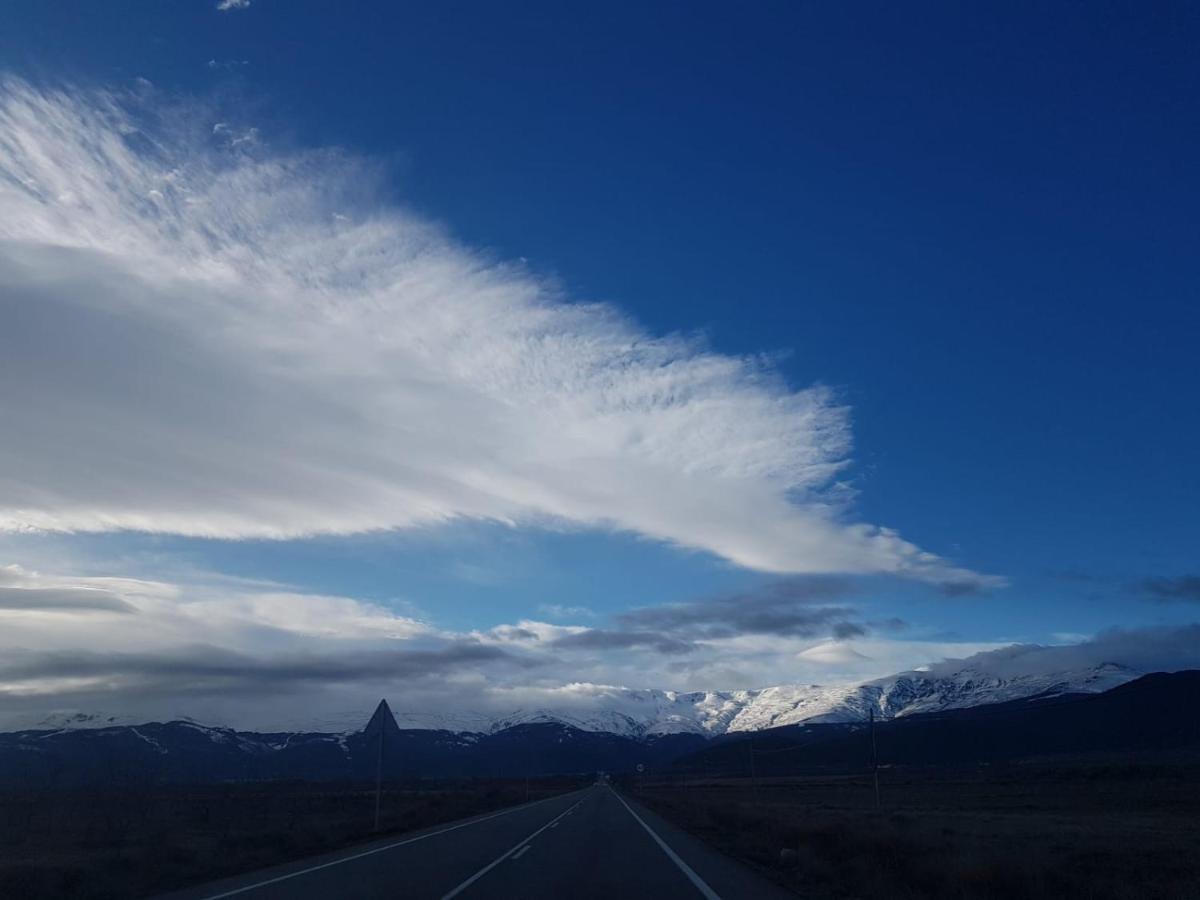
x,y
70,720
1142,715
638,713
910,693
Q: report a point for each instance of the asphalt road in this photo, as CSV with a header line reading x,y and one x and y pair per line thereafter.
x,y
590,843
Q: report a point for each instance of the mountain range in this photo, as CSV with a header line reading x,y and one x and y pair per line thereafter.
x,y
1147,714
639,713
1145,720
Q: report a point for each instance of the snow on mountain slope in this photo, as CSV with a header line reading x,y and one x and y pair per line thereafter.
x,y
70,720
637,713
642,712
910,693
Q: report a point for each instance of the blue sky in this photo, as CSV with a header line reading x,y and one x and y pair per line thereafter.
x,y
973,228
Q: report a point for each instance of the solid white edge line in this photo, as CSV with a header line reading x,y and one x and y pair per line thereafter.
x,y
687,870
503,856
373,850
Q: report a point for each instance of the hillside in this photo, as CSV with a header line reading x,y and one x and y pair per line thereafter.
x,y
1150,714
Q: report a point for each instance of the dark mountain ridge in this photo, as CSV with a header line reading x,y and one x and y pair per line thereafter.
x,y
1153,713
184,752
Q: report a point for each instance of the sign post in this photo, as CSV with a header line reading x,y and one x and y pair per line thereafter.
x,y
381,723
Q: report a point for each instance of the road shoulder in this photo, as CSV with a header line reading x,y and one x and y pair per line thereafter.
x,y
726,876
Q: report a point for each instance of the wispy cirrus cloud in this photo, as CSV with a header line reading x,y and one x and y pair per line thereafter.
x,y
204,337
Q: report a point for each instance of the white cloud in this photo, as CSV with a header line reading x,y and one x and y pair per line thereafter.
x,y
261,655
226,5
257,654
201,337
1071,637
833,652
234,615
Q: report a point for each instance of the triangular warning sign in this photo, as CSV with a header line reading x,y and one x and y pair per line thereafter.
x,y
382,722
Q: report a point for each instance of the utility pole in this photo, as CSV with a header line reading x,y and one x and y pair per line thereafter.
x,y
874,757
379,777
754,773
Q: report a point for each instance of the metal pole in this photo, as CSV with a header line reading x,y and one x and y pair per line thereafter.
x,y
874,758
754,773
379,775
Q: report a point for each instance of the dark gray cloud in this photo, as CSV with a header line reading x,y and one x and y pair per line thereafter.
x,y
602,639
961,588
1181,589
846,630
201,668
1166,649
515,632
790,607
72,599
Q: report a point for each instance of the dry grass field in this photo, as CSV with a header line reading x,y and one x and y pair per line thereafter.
x,y
1100,832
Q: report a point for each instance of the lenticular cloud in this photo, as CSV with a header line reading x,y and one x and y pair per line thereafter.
x,y
206,337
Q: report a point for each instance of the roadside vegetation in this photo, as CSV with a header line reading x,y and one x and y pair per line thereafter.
x,y
1097,831
137,842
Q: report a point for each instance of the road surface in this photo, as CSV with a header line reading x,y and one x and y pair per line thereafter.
x,y
596,842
